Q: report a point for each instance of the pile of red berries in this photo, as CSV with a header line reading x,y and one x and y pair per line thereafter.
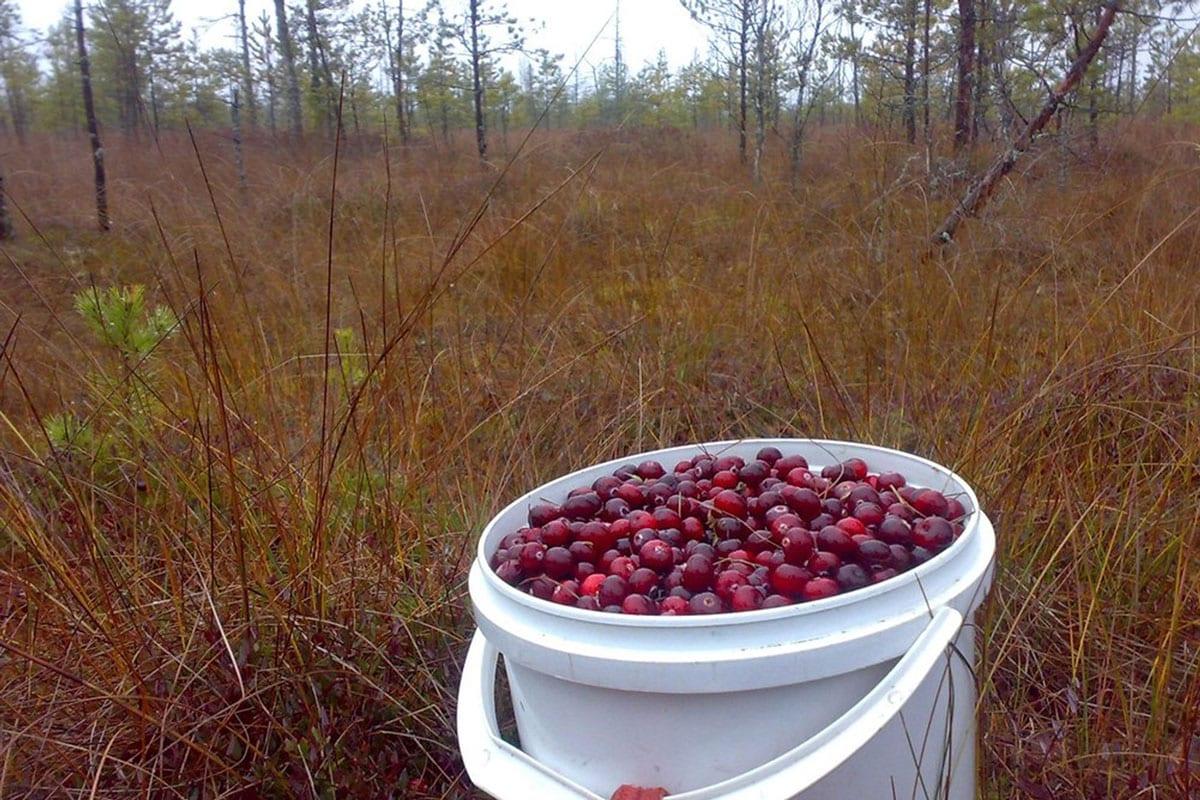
x,y
723,534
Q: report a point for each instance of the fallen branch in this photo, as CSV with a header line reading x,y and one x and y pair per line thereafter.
x,y
981,191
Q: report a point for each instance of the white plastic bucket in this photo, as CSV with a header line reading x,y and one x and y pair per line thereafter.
x,y
864,695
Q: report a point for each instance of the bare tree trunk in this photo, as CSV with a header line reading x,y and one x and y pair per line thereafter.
x,y
89,110
477,83
6,226
979,193
247,75
925,84
982,32
910,69
966,73
1133,71
401,118
238,156
289,63
743,36
854,67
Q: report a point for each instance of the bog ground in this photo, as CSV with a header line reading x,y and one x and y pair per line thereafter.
x,y
234,530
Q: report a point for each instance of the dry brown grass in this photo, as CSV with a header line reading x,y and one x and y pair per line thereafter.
x,y
252,580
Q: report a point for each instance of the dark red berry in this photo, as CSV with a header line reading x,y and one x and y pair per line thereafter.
x,y
894,530
745,598
673,606
730,502
775,601
612,590
769,454
638,604
510,572
790,580
932,533
820,588
704,603
697,573
834,540
852,576
558,563
657,555
930,503
542,513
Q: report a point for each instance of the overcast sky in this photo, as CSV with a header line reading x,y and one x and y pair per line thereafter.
x,y
569,25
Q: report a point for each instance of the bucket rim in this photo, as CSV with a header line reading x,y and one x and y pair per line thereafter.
x,y
802,609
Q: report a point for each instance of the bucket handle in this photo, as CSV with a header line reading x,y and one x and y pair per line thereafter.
x,y
501,769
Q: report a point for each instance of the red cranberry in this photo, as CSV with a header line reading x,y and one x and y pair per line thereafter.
x,y
650,470
834,472
725,479
726,547
769,454
775,601
954,509
638,604
902,511
665,517
612,590
820,588
868,513
823,563
682,467
632,494
566,593
930,503
920,555
745,598
622,566
726,582
656,554
704,603
851,526
901,557
693,529
729,462
702,549
932,533
852,576
643,580
614,509
584,569
834,540
558,563
728,528
672,536
820,521
588,603
797,545
542,587
555,533
731,503
788,579
873,551
784,523
541,513
697,573
582,506
890,480
510,572
605,562
641,519
641,537
788,463
673,606
894,530
592,583
799,477
754,473
531,558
